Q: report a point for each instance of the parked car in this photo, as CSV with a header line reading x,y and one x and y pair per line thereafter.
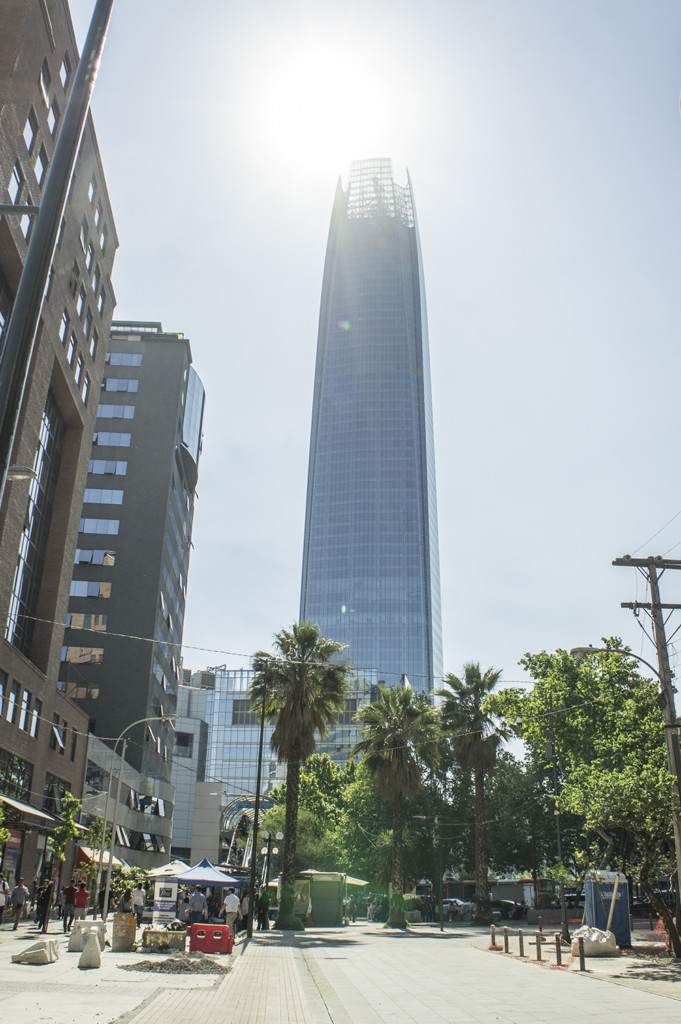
x,y
457,910
508,910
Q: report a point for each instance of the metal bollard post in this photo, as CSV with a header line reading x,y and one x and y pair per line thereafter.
x,y
582,965
539,924
559,958
537,936
521,943
505,940
493,935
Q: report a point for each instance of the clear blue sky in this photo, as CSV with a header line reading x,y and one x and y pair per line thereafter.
x,y
544,144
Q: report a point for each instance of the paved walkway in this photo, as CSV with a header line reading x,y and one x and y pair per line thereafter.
x,y
369,974
361,974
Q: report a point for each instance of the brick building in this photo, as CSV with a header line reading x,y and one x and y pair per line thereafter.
x,y
43,734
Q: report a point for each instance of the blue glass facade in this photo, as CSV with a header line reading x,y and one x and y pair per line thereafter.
x,y
371,575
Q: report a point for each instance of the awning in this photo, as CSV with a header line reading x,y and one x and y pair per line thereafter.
x,y
89,854
205,874
18,805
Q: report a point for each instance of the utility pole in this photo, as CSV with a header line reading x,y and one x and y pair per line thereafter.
x,y
653,567
564,930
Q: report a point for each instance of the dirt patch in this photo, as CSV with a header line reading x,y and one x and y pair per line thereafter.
x,y
188,963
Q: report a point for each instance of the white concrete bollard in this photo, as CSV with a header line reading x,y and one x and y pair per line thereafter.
x,y
92,954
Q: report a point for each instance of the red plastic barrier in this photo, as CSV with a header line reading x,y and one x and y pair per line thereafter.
x,y
210,938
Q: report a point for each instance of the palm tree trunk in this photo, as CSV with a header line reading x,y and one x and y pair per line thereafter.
x,y
482,906
285,916
396,918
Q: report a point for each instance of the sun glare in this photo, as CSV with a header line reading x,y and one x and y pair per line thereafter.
x,y
319,103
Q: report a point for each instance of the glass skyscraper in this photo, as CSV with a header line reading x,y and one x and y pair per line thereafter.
x,y
371,575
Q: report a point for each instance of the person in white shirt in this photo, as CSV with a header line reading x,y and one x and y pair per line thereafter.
x,y
232,909
139,899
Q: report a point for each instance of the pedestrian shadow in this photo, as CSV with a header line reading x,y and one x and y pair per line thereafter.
x,y
306,939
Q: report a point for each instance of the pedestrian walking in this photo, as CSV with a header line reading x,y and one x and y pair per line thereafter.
x,y
139,899
198,906
18,899
69,905
5,893
232,909
245,907
42,904
264,910
80,900
125,902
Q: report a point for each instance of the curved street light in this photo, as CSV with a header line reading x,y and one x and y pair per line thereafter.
x,y
139,721
671,731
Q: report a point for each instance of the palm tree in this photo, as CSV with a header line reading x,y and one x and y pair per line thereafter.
x,y
399,736
475,738
303,691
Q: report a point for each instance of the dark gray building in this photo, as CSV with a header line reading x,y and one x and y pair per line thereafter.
x,y
43,734
371,571
120,659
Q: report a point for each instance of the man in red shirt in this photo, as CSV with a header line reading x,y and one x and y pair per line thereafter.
x,y
80,901
69,905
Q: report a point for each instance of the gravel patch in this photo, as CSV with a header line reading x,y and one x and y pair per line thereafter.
x,y
188,963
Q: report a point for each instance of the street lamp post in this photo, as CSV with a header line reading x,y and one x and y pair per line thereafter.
x,y
254,844
671,729
140,721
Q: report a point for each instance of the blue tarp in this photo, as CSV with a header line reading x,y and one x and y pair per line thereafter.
x,y
598,889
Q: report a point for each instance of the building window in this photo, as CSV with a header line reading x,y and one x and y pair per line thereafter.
x,y
85,620
91,189
102,496
15,182
75,278
83,655
64,327
41,165
65,71
87,326
35,718
33,544
16,776
53,117
94,342
117,467
78,372
124,358
26,222
3,689
24,711
80,305
242,714
45,83
74,740
30,130
71,349
90,257
108,526
95,556
102,300
120,384
104,239
98,215
12,701
55,789
112,440
90,588
96,280
184,744
116,412
82,237
85,389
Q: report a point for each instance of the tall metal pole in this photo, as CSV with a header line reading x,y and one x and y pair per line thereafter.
x,y
114,816
254,847
23,322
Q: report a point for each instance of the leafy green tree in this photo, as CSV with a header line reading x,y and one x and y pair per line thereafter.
x,y
4,832
475,738
608,729
302,690
399,738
